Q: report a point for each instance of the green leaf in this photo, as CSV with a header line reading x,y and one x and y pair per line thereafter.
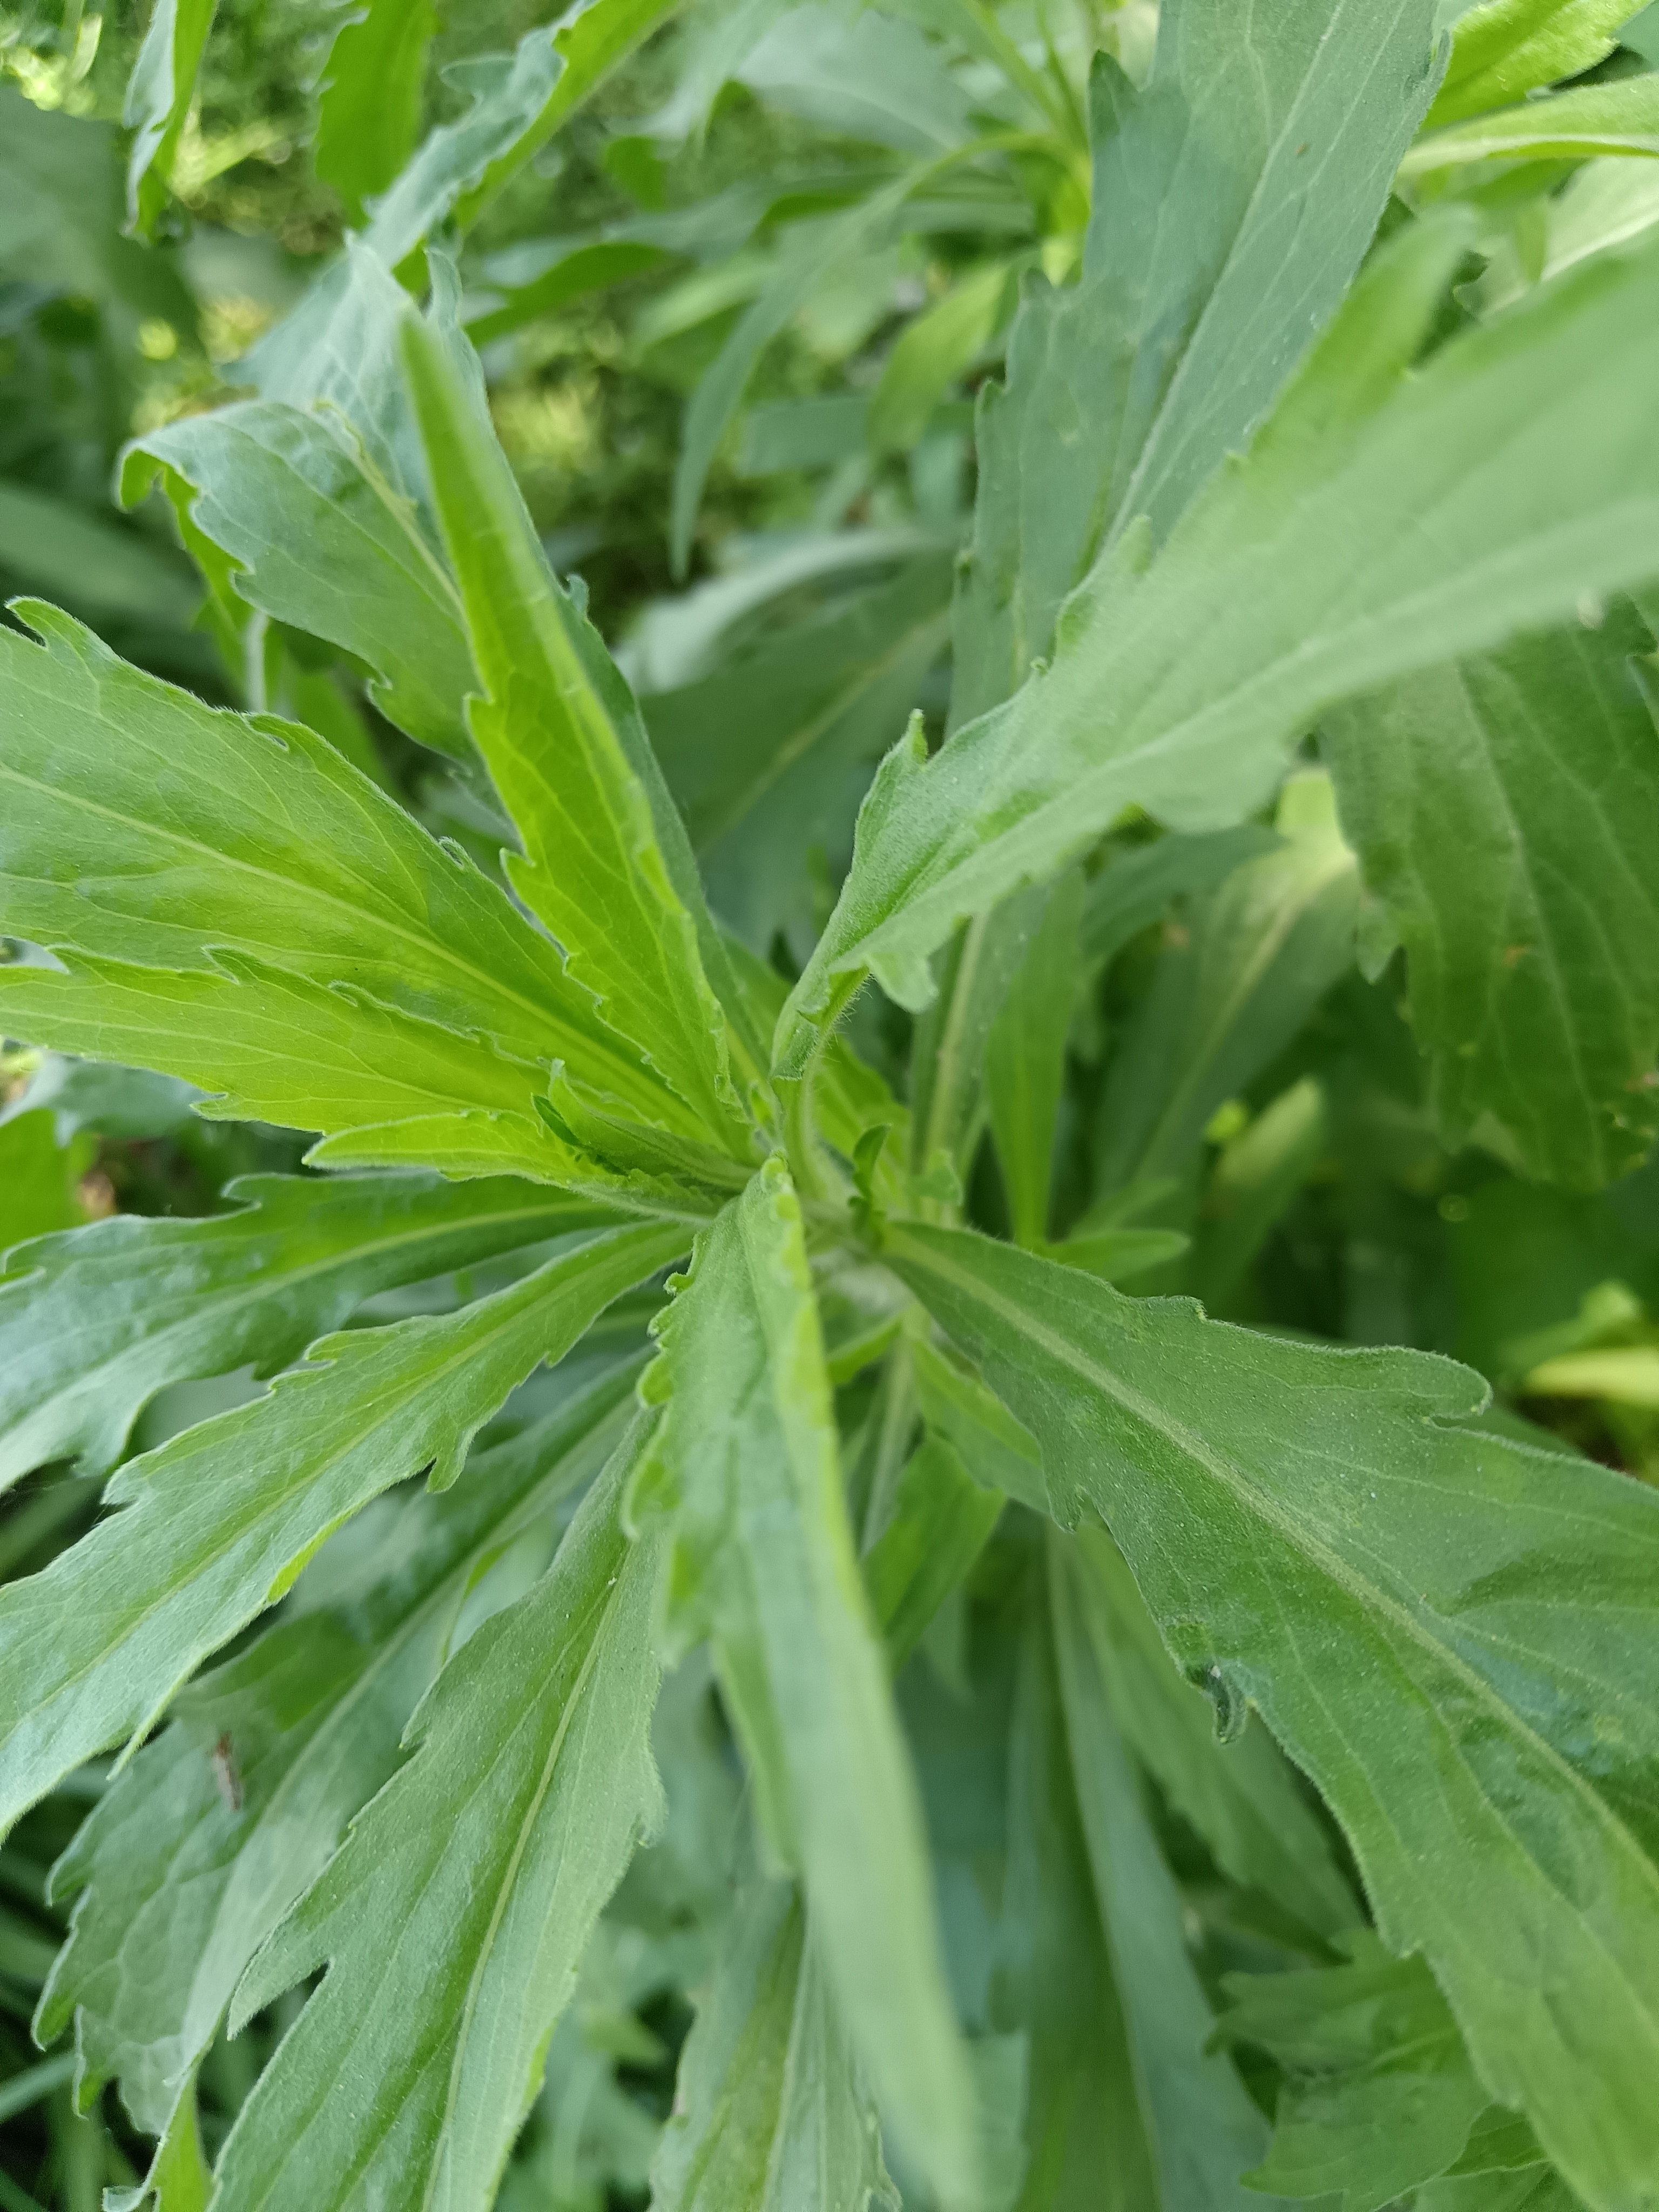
x,y
868,76
37,1180
1379,2094
93,563
1620,118
941,1521
762,754
1307,575
932,352
1256,1176
1025,1059
370,109
94,1321
1507,48
1436,1632
159,96
1241,1796
1202,2128
1232,201
452,1919
313,538
1137,887
764,1565
1506,812
93,1649
769,2114
201,1846
606,865
148,828
1232,988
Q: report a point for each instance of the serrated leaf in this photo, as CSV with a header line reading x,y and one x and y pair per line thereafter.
x,y
94,1322
1202,2128
1232,201
1308,575
1619,118
93,1649
1241,1796
1504,49
764,1565
370,108
605,864
317,540
144,826
769,2114
158,99
198,1849
1438,1634
1506,810
452,1919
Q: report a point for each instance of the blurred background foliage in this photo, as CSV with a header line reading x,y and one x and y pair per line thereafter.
x,y
733,319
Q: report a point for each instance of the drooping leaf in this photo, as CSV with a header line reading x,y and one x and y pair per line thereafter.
x,y
1201,2129
1379,2094
198,1851
1620,118
1233,199
94,1322
93,1648
769,2114
1502,50
144,826
764,1565
1307,576
370,108
1506,810
159,96
452,1919
606,865
1438,1633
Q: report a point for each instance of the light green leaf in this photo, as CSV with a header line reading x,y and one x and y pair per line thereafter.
x,y
1438,1631
1507,48
769,2114
370,108
1241,1796
932,352
198,1849
1307,575
94,1321
941,1521
159,96
864,76
38,1175
315,538
452,1919
1379,2094
1620,118
762,754
1025,1059
1256,1176
1249,964
91,562
141,825
1202,2128
1232,201
606,865
93,1649
764,1565
1506,810
1000,1454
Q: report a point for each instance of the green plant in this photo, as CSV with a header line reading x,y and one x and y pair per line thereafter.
x,y
1072,1749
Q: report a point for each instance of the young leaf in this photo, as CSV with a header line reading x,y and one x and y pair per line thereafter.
x,y
1506,810
93,1649
1307,575
1437,1632
769,2114
198,1849
94,1321
318,540
1621,118
144,826
370,108
452,1919
1502,50
1233,199
606,865
764,1566
159,96
1202,2128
